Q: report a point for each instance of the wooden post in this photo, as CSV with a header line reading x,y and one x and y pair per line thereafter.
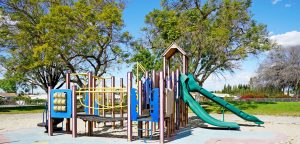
x,y
185,70
146,123
161,106
50,122
140,123
153,86
129,122
177,101
103,101
164,66
95,111
74,112
68,122
121,103
173,114
90,83
113,101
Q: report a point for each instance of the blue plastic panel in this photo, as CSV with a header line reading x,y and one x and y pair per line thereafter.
x,y
60,114
96,106
154,105
86,102
133,105
147,89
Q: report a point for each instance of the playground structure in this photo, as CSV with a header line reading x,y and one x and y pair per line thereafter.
x,y
94,95
158,105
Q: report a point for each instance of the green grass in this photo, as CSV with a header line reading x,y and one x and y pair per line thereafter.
x,y
260,108
22,109
278,108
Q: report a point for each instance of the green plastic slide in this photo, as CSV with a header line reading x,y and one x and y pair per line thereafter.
x,y
193,86
199,111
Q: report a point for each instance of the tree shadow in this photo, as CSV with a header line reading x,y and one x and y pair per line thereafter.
x,y
21,108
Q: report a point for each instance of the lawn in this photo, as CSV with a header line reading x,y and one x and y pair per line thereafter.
x,y
21,109
261,108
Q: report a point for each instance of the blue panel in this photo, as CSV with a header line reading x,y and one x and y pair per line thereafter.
x,y
148,88
96,106
68,112
134,104
86,102
154,105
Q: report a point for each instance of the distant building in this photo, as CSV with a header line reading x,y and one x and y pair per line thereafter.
x,y
221,95
8,96
38,96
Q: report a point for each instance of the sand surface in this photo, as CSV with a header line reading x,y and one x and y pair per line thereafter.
x,y
284,126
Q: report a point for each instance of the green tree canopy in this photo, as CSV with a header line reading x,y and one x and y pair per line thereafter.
x,y
216,34
47,38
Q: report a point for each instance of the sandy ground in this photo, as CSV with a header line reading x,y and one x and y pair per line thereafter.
x,y
287,127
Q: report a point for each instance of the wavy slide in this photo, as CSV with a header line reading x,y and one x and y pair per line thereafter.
x,y
189,84
199,111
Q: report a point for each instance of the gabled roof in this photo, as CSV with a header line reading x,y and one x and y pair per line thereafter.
x,y
172,49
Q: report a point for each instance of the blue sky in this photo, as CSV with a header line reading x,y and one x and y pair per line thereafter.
x,y
282,18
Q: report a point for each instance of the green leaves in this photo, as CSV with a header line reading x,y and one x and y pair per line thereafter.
x,y
216,34
50,38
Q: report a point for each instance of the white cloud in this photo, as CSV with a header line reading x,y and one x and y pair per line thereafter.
x,y
287,5
287,39
275,1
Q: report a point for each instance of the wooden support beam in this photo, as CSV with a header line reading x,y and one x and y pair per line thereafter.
x,y
177,113
68,121
104,101
121,102
74,112
129,122
153,86
140,98
113,101
50,122
161,106
90,83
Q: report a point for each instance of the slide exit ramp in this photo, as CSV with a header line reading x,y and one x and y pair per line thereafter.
x,y
193,86
199,111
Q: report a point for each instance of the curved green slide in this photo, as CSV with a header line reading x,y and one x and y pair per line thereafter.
x,y
199,111
193,86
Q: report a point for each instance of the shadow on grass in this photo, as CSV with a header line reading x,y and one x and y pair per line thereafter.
x,y
21,108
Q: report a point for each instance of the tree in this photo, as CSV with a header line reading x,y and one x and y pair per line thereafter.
x,y
280,70
45,39
18,38
84,36
144,56
8,85
216,34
